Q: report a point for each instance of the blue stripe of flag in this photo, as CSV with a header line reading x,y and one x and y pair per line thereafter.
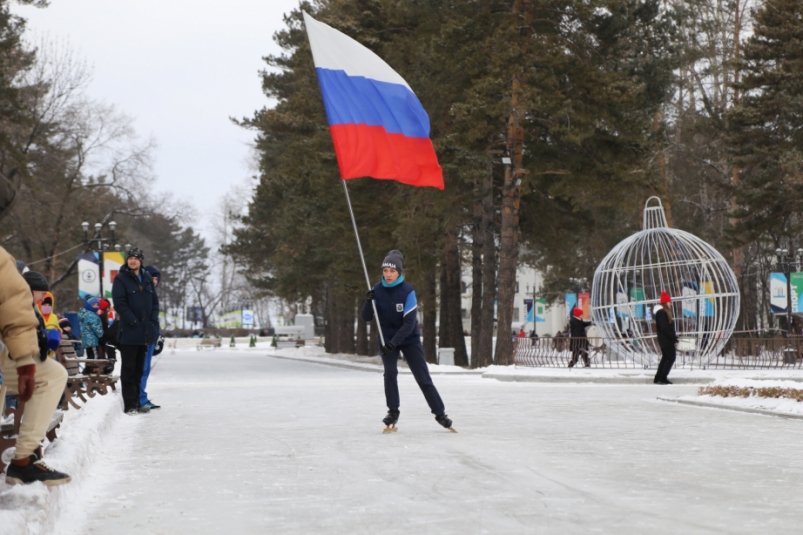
x,y
360,100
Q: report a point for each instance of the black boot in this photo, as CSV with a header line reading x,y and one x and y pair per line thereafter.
x,y
391,418
444,420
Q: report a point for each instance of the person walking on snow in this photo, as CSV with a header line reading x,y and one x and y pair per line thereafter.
x,y
396,306
579,341
667,338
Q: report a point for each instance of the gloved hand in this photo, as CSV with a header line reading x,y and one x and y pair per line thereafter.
x,y
370,295
26,381
387,349
53,339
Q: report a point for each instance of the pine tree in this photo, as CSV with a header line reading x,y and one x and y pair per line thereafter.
x,y
766,127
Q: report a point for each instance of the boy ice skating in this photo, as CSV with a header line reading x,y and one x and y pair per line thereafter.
x,y
396,305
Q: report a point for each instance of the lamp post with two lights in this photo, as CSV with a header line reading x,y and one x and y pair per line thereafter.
x,y
98,243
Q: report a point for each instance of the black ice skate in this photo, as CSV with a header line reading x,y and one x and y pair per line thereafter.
x,y
446,422
390,421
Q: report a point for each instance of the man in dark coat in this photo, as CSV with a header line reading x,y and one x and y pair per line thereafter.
x,y
579,341
667,338
138,316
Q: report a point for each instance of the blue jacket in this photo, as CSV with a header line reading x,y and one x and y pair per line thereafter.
x,y
137,307
397,309
91,328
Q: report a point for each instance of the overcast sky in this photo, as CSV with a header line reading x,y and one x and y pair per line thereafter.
x,y
180,69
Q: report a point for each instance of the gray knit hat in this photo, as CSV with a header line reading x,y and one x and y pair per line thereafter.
x,y
36,281
395,260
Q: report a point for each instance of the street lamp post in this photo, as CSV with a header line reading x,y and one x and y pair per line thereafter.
x,y
98,243
534,309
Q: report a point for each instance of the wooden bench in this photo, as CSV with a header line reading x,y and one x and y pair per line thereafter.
x,y
9,432
85,377
209,343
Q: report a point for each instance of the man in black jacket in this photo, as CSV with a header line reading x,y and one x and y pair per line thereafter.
x,y
138,315
579,341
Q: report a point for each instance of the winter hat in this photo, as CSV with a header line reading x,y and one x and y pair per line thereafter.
x,y
395,260
577,312
65,324
36,281
664,298
91,303
103,304
136,252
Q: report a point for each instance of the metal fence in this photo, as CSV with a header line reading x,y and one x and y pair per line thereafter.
x,y
739,353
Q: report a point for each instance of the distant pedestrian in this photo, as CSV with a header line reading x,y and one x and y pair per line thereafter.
x,y
396,306
579,340
144,400
137,310
667,338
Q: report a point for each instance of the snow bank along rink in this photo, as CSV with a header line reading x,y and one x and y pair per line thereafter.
x,y
251,443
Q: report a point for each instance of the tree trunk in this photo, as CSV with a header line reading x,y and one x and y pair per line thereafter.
x,y
339,322
430,316
482,350
362,332
477,237
509,232
451,324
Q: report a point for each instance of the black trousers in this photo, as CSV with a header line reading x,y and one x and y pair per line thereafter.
x,y
414,355
132,364
668,355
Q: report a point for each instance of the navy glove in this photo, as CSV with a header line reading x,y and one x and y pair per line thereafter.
x,y
387,349
53,339
370,295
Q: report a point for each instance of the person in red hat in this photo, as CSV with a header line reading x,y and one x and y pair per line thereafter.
x,y
667,338
579,341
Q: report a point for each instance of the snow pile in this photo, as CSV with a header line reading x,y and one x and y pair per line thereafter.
x,y
81,446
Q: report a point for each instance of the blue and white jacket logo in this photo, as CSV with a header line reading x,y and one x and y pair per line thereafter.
x,y
399,307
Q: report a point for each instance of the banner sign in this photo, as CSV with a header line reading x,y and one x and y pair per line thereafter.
x,y
797,292
777,293
88,275
778,288
248,318
112,262
536,311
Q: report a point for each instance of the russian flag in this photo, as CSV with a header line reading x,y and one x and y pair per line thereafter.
x,y
379,127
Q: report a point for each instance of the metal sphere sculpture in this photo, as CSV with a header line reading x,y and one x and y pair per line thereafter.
x,y
629,280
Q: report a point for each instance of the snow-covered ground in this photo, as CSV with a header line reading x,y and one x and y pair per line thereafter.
x,y
255,440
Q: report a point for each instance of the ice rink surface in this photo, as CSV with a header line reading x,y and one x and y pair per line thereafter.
x,y
250,444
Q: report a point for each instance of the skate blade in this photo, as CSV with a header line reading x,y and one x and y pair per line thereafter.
x,y
389,429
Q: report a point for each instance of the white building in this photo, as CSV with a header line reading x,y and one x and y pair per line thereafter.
x,y
528,284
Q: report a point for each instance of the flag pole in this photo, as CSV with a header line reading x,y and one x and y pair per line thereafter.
x,y
362,259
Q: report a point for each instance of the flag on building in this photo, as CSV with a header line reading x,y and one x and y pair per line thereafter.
x,y
379,127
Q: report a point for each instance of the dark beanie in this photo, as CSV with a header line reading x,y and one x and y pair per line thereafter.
x,y
36,281
395,260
